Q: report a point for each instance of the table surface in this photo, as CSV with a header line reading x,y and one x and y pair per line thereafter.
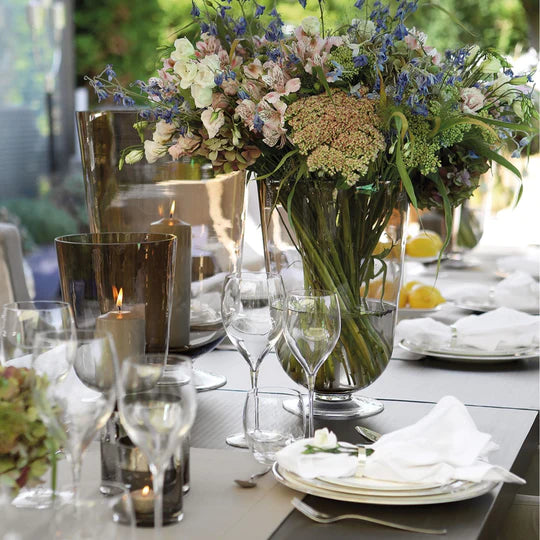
x,y
516,432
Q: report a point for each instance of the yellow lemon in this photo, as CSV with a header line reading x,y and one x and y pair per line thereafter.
x,y
376,290
404,292
425,297
424,244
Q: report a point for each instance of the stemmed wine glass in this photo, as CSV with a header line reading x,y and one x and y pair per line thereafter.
x,y
252,314
157,406
312,327
19,324
79,392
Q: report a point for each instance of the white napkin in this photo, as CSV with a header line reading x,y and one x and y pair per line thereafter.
x,y
500,329
443,446
518,291
313,465
525,263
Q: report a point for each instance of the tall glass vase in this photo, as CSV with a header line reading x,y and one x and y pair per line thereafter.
x,y
352,242
185,198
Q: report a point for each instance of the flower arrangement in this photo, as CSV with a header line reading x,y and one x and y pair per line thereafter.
x,y
25,446
340,122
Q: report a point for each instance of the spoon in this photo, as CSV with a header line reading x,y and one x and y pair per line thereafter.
x,y
250,483
368,434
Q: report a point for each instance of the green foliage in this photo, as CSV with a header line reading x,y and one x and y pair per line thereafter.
x,y
24,441
41,218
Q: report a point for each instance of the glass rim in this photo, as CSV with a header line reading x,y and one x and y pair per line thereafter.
x,y
108,238
30,305
313,293
275,391
240,273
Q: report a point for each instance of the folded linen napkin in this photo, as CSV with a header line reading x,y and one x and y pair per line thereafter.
x,y
526,263
518,291
498,329
331,465
443,446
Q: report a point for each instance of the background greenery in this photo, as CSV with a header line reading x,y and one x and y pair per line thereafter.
x,y
126,33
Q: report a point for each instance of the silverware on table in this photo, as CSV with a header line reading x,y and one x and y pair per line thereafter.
x,y
367,433
320,517
250,483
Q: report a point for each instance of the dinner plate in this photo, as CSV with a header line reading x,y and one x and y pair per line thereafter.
x,y
470,354
466,491
418,312
475,304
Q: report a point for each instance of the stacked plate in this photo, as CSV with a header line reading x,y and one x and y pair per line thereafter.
x,y
470,354
371,491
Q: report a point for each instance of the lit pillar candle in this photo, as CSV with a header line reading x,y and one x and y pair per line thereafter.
x,y
127,328
179,333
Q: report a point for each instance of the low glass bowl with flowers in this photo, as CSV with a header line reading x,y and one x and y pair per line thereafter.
x,y
26,449
343,127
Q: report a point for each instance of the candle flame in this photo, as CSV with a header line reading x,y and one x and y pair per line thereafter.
x,y
145,490
119,299
173,206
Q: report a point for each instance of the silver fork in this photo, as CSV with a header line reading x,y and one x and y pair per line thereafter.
x,y
320,517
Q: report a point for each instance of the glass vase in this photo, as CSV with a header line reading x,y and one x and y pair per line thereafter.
x,y
352,242
142,196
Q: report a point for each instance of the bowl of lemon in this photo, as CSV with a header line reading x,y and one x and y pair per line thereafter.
x,y
417,299
423,247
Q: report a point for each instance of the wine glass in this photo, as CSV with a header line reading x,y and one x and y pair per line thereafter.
x,y
21,321
79,392
157,406
19,324
312,327
268,425
252,313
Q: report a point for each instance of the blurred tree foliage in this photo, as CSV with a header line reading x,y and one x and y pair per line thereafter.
x,y
126,33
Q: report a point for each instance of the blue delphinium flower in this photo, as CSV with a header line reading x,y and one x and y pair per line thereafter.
x,y
240,27
100,91
242,94
223,11
195,11
359,4
274,54
259,10
128,101
109,72
360,61
205,28
336,74
302,3
218,79
257,122
400,31
117,98
402,82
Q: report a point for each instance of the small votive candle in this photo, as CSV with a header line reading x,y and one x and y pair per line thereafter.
x,y
143,500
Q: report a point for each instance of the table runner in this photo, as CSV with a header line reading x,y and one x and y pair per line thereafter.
x,y
215,507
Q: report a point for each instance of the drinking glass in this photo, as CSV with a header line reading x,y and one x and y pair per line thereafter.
x,y
19,324
268,425
312,327
82,513
252,313
157,406
78,397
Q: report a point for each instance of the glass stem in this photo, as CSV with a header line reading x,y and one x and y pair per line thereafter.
x,y
311,394
254,378
158,477
76,473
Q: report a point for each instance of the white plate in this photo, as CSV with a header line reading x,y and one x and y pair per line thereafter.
x,y
474,304
466,491
419,312
470,354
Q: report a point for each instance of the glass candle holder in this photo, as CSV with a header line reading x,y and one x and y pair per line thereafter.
x,y
135,474
120,283
184,197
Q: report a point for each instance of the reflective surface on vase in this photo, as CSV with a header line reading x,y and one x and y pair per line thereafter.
x,y
348,241
136,197
120,283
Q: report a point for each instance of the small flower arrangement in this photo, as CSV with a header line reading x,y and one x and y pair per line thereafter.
x,y
369,100
25,445
325,441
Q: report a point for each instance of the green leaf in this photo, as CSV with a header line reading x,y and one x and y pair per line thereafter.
x,y
279,165
320,74
447,207
404,175
509,125
483,149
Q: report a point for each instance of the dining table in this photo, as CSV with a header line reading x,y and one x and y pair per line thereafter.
x,y
502,399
